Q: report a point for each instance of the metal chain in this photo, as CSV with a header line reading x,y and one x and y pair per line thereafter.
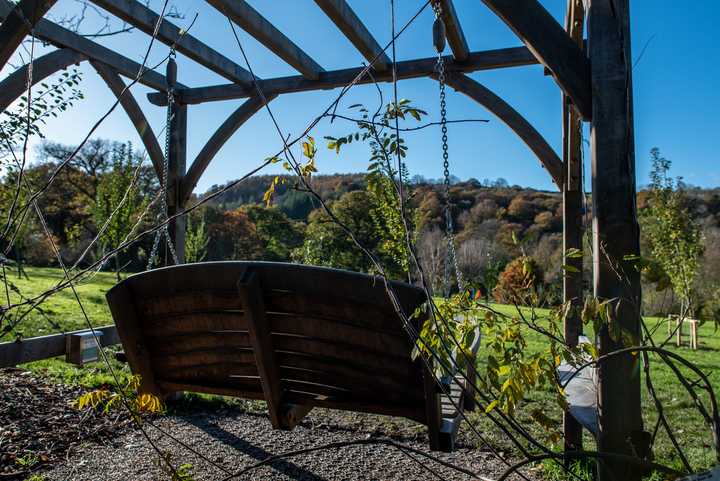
x,y
451,261
163,214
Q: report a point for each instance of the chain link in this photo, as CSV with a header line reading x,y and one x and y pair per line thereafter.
x,y
163,214
451,261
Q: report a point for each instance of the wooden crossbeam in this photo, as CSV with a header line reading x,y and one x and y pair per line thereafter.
x,y
510,117
15,84
453,30
64,38
18,23
143,18
218,139
552,46
487,60
353,28
265,32
133,110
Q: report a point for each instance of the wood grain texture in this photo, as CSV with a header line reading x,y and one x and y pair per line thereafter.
x,y
615,229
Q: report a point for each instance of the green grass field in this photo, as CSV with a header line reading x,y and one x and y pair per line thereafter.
x,y
689,427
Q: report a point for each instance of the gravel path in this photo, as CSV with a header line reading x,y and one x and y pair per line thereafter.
x,y
234,439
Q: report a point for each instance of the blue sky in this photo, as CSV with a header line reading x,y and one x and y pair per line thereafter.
x,y
676,102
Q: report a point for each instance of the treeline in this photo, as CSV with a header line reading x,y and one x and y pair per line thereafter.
x,y
495,224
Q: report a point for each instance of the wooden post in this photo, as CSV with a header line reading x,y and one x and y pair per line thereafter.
x,y
615,232
572,190
177,159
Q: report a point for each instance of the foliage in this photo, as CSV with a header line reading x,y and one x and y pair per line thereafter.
x,y
384,179
232,236
277,234
105,400
119,202
674,237
518,283
196,240
19,122
183,472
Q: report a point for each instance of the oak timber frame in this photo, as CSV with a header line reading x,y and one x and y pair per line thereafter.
x,y
594,77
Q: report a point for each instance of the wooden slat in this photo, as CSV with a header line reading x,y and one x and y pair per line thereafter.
x,y
251,295
510,117
241,115
198,341
64,38
333,331
45,347
194,324
552,46
198,357
389,378
18,23
133,110
15,84
265,32
229,388
477,61
453,30
144,19
353,28
188,302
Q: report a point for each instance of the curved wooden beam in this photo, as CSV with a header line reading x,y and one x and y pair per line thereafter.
x,y
18,24
218,139
510,117
133,110
15,84
63,38
551,45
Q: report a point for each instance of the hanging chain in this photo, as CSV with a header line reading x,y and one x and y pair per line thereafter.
x,y
451,261
163,214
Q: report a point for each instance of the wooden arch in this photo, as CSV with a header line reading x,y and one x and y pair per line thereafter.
x,y
595,82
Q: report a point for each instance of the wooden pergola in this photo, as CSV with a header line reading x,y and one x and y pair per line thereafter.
x,y
593,72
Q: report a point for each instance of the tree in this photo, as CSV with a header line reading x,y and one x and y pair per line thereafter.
x,y
196,239
519,282
233,236
674,238
327,244
118,200
278,234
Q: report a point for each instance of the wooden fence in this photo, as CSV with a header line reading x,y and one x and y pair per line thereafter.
x,y
46,347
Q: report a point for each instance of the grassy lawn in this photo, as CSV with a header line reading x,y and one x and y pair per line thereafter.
x,y
687,424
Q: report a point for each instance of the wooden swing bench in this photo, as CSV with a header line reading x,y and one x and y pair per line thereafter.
x,y
295,336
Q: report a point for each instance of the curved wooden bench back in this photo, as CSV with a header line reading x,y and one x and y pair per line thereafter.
x,y
287,333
